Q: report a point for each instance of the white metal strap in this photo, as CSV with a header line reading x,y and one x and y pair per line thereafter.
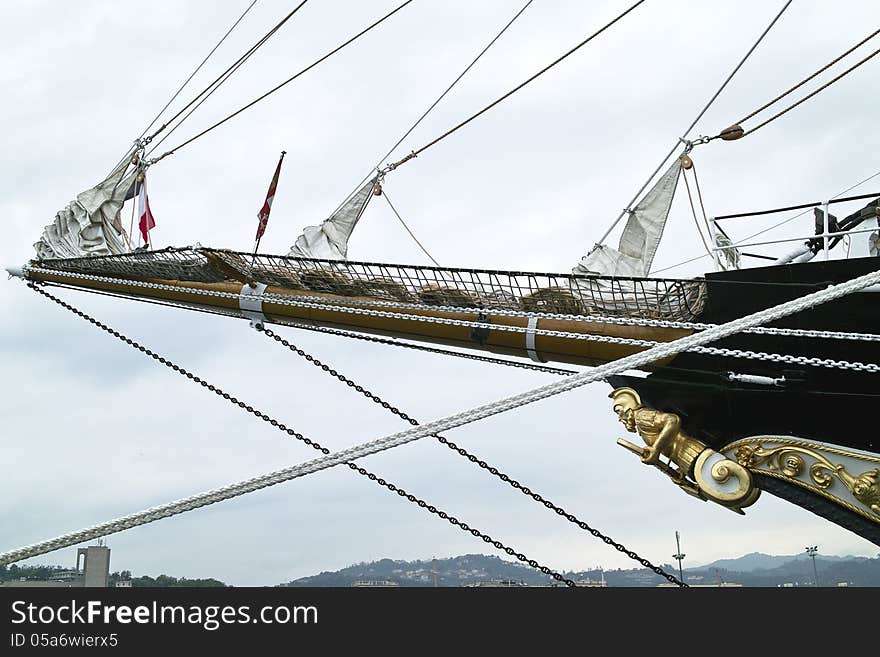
x,y
251,302
530,340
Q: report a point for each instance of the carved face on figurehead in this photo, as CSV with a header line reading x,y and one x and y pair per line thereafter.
x,y
626,403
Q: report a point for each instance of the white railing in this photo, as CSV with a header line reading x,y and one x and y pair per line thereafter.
x,y
826,235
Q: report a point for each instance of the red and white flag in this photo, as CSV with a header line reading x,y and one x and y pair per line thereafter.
x,y
146,221
263,216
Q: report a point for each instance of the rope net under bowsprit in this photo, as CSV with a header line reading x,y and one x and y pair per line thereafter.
x,y
571,294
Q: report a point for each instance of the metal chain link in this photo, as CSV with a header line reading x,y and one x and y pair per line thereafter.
x,y
756,355
786,358
471,457
225,312
317,302
434,350
308,441
590,319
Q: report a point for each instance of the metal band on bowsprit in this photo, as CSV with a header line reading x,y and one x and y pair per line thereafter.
x,y
530,340
251,302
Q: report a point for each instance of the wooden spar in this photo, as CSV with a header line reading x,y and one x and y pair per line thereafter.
x,y
547,347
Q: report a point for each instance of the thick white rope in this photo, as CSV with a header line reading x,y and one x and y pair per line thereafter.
x,y
437,426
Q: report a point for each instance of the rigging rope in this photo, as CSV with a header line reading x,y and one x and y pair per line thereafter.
x,y
731,132
693,123
378,164
702,205
167,510
198,68
807,79
225,74
417,152
138,141
469,456
400,219
694,212
449,422
225,77
287,81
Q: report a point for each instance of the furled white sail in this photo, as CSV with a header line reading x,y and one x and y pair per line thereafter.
x,y
90,225
641,235
730,253
329,241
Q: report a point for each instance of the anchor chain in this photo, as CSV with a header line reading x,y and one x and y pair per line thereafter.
x,y
471,457
308,441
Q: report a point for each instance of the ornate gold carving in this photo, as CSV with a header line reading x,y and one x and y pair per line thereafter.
x,y
787,459
721,471
866,489
696,469
660,431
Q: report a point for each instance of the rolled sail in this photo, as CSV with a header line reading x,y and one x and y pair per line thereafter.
x,y
90,225
641,236
329,240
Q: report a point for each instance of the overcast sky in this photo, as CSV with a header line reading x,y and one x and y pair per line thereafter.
x,y
93,430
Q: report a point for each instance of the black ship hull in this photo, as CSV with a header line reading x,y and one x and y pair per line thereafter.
x,y
819,403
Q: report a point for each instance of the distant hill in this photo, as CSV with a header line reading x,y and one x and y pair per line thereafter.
x,y
760,561
749,570
455,571
466,570
796,570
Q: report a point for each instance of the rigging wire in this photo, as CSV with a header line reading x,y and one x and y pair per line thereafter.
x,y
198,68
225,77
417,152
287,81
807,79
468,455
131,150
237,63
693,123
808,96
773,227
400,219
433,105
156,514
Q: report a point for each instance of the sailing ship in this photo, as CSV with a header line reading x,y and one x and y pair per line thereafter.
x,y
761,409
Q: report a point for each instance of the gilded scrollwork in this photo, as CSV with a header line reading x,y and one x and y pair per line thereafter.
x,y
727,476
865,488
829,468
